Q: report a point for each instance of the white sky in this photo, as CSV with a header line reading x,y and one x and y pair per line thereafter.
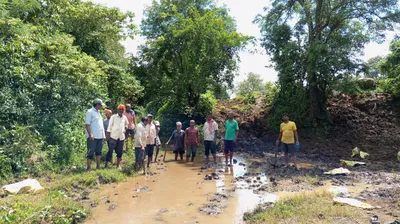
x,y
244,11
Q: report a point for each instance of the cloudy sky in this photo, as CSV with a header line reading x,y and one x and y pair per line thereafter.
x,y
244,12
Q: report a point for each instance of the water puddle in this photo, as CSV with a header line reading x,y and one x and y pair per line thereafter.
x,y
176,194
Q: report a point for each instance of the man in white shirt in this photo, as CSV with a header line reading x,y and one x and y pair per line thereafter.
x,y
94,133
116,135
140,142
210,131
151,137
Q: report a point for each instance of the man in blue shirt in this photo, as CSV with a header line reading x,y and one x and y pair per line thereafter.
x,y
94,133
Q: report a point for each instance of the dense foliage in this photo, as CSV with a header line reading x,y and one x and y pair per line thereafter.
x,y
191,48
56,56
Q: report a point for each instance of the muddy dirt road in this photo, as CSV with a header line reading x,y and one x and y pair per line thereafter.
x,y
179,192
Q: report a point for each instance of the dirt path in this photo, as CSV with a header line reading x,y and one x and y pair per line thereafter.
x,y
177,193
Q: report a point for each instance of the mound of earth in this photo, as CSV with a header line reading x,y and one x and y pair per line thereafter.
x,y
369,122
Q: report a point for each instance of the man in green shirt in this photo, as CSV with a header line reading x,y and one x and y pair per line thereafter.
x,y
231,133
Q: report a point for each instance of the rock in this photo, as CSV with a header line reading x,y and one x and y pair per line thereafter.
x,y
352,202
338,171
199,174
234,161
351,163
112,207
242,164
163,210
23,187
339,191
108,202
134,196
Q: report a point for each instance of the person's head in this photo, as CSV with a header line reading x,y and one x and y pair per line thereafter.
x,y
108,113
145,120
178,125
98,104
209,117
120,109
231,116
128,107
192,123
285,118
150,117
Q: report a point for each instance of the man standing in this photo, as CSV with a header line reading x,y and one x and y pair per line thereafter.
x,y
178,136
192,140
158,140
151,137
231,134
130,132
94,133
287,135
210,131
140,142
116,135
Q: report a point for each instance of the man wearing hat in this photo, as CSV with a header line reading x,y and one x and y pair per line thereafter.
x,y
94,133
151,137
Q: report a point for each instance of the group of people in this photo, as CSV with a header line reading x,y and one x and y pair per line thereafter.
x,y
117,129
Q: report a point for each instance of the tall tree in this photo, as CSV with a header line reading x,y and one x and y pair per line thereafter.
x,y
313,42
253,83
192,46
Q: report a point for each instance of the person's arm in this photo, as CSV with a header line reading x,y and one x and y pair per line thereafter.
x,y
216,132
198,137
237,131
87,124
295,133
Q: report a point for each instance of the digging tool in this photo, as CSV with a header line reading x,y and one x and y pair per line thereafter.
x,y
276,155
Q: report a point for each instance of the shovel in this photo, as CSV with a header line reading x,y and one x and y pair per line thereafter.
x,y
276,155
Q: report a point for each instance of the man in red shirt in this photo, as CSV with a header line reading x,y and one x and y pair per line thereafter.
x,y
130,132
192,140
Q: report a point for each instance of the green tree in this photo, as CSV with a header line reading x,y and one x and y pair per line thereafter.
x,y
313,43
253,83
192,46
390,68
372,69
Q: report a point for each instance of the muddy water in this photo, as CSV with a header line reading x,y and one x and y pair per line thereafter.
x,y
175,194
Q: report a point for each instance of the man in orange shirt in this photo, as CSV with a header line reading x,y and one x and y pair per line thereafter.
x,y
287,135
130,132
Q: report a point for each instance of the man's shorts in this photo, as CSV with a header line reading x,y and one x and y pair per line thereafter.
x,y
228,146
117,145
149,150
130,131
192,150
209,146
288,148
94,147
138,154
181,151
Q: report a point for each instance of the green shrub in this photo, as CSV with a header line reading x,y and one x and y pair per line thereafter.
x,y
21,152
207,104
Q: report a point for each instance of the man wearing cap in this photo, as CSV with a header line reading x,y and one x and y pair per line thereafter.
x,y
151,136
158,141
130,132
94,133
116,134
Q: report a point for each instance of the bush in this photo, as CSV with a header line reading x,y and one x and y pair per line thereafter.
x,y
21,152
207,104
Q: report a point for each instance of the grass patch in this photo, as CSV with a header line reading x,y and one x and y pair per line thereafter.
x,y
62,199
303,208
314,180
